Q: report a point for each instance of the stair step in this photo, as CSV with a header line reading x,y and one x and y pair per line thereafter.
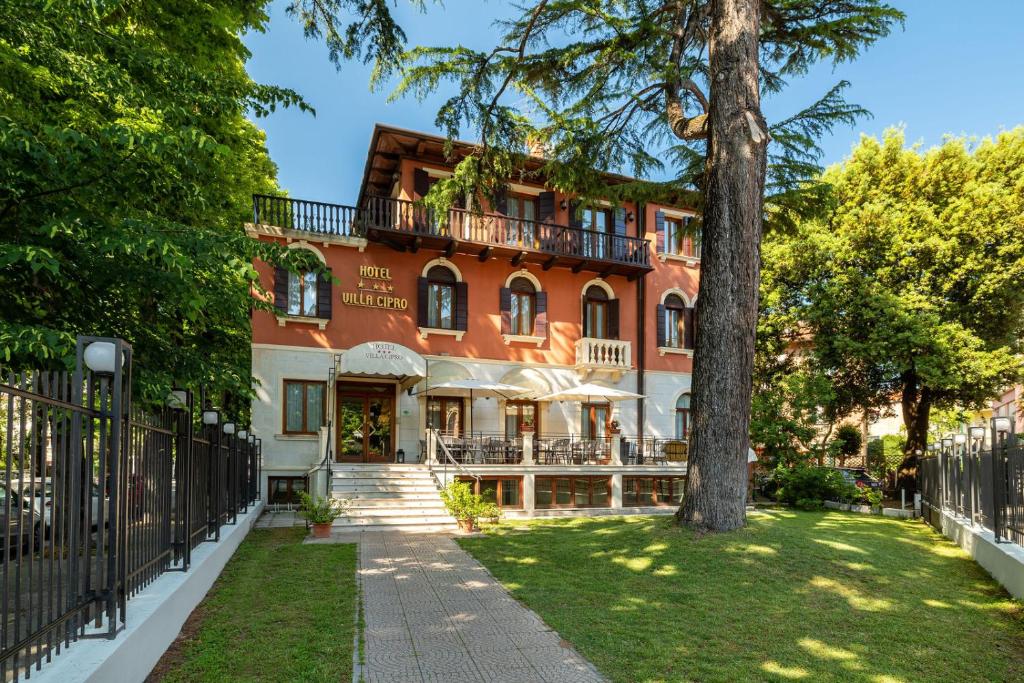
x,y
379,468
399,494
370,478
385,488
402,528
437,510
397,503
411,520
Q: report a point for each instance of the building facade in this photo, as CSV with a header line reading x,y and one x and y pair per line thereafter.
x,y
441,339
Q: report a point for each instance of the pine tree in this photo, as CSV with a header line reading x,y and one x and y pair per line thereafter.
x,y
601,84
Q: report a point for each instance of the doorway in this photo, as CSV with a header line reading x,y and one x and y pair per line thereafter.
x,y
365,423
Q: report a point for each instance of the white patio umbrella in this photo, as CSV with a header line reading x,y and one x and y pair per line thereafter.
x,y
478,386
590,393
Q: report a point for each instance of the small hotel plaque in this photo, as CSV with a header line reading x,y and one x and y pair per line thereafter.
x,y
374,290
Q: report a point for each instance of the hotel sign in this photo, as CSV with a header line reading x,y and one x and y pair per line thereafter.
x,y
374,290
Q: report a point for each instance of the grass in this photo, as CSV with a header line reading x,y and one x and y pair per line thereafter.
x,y
280,611
793,596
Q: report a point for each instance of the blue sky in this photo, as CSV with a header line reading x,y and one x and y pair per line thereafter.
x,y
957,67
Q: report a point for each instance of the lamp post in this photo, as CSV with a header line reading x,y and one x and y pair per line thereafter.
x,y
976,437
1001,427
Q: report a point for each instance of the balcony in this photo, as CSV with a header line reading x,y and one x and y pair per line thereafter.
x,y
603,355
407,226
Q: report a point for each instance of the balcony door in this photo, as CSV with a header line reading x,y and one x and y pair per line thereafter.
x,y
521,232
365,419
597,314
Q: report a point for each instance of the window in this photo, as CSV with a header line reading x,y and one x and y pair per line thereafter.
x,y
302,290
285,490
520,232
647,491
595,313
576,492
682,416
596,221
303,406
506,492
444,414
518,413
675,322
441,298
524,306
679,239
596,420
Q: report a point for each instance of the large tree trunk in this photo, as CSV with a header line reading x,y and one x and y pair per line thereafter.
x,y
917,404
730,269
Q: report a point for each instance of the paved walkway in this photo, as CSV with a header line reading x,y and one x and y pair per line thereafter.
x,y
433,613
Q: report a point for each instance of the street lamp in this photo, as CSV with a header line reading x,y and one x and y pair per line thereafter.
x,y
177,399
960,439
100,357
242,434
977,433
210,415
1001,424
229,428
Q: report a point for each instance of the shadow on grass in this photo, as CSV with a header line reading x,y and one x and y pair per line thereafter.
x,y
793,596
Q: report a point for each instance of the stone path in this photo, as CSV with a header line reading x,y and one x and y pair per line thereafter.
x,y
433,613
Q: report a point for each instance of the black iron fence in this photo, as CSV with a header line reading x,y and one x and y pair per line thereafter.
x,y
649,450
981,480
100,498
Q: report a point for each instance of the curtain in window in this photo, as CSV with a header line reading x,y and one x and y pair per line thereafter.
x,y
293,407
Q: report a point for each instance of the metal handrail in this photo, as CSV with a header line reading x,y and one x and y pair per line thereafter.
x,y
448,457
326,462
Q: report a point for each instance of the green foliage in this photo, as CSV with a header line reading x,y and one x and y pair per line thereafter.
x,y
320,510
127,165
874,498
462,503
885,455
598,83
848,440
912,283
802,483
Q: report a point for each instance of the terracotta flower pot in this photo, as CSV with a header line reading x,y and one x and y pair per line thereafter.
x,y
322,530
466,525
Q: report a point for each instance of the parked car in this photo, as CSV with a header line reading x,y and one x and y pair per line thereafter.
x,y
860,478
40,493
20,522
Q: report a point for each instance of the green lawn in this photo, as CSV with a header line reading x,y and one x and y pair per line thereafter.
x,y
280,611
794,596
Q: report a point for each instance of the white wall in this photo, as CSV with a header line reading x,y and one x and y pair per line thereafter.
x,y
291,455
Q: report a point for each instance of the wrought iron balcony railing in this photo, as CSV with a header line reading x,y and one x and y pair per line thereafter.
x,y
404,225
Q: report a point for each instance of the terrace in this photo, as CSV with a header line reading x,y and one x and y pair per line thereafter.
x,y
408,226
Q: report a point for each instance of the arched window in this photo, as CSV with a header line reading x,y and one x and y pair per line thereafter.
x,y
302,294
675,321
524,306
441,298
683,416
596,310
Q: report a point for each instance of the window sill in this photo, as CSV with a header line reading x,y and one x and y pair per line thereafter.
x,y
296,437
688,260
663,350
427,331
523,338
283,320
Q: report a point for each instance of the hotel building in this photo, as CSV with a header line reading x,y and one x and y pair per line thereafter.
x,y
437,351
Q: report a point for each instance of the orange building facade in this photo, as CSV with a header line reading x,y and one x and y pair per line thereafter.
x,y
449,338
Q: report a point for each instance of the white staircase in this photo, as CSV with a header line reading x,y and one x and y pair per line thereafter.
x,y
386,497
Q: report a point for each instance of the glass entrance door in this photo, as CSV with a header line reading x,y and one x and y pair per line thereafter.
x,y
365,423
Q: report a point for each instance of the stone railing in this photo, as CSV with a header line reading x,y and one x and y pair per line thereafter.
x,y
603,354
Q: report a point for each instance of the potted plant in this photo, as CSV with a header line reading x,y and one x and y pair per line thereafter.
x,y
464,505
320,512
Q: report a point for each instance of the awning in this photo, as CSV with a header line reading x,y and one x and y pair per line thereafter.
x,y
590,393
383,359
530,378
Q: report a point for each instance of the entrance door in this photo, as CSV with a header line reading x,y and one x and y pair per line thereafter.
x,y
365,423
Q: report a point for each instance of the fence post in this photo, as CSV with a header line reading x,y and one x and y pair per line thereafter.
x,y
183,476
110,359
997,490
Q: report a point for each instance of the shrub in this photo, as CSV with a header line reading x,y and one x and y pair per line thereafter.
x,y
847,441
810,504
462,503
874,498
320,510
803,482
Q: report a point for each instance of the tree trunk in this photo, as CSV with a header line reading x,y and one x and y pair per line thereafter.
x,y
917,404
730,270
